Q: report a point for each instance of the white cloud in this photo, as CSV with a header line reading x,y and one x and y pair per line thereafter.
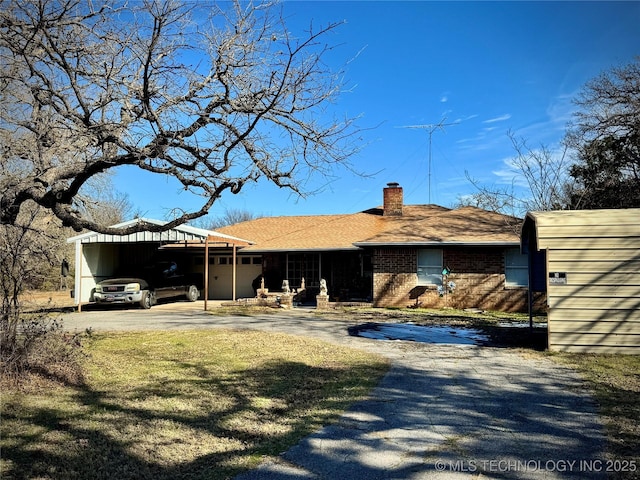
x,y
552,127
561,110
501,118
555,159
509,175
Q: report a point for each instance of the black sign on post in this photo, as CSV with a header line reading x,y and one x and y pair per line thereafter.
x,y
557,278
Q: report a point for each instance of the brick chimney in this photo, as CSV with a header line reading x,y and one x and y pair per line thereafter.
x,y
393,199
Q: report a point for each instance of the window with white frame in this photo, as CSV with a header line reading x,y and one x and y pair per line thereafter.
x,y
430,266
516,268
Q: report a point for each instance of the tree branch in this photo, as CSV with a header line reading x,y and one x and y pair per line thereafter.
x,y
215,105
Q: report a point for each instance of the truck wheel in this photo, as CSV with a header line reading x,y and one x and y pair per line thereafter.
x,y
145,301
193,293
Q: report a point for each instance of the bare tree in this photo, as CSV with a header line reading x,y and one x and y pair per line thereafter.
x,y
27,249
230,216
88,87
608,106
102,203
544,173
603,142
605,137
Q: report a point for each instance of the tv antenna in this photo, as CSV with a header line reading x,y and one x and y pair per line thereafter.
x,y
431,128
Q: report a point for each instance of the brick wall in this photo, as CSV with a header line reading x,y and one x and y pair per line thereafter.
x,y
477,272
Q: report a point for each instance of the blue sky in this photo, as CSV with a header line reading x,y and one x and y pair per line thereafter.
x,y
486,67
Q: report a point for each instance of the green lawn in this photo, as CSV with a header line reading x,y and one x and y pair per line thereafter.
x,y
171,405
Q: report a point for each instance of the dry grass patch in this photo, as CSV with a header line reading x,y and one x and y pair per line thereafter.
x,y
49,300
615,383
168,405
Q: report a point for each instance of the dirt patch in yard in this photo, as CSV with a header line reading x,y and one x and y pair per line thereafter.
x,y
55,300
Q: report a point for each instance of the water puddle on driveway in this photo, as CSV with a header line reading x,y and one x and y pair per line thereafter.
x,y
419,333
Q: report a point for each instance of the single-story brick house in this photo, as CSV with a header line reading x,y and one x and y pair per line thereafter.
x,y
396,255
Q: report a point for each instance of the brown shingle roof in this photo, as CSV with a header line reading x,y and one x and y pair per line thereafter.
x,y
419,224
466,225
317,232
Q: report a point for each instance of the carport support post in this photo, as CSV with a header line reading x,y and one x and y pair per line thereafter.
x,y
530,289
206,272
79,275
233,286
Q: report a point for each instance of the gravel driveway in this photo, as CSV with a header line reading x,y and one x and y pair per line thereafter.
x,y
442,411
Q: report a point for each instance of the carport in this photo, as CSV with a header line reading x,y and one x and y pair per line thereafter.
x,y
100,256
587,261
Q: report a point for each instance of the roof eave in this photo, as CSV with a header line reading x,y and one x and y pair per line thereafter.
x,y
498,243
251,250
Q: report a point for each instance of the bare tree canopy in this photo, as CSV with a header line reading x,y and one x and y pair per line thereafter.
x,y
88,87
606,139
604,144
608,106
541,174
231,216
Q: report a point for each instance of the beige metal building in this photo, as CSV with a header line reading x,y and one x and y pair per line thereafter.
x,y
588,263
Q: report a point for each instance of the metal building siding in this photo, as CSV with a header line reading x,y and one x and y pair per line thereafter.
x,y
598,309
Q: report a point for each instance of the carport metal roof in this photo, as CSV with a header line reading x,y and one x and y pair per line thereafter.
x,y
181,233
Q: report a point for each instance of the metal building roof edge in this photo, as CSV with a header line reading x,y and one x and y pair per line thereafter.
x,y
198,232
